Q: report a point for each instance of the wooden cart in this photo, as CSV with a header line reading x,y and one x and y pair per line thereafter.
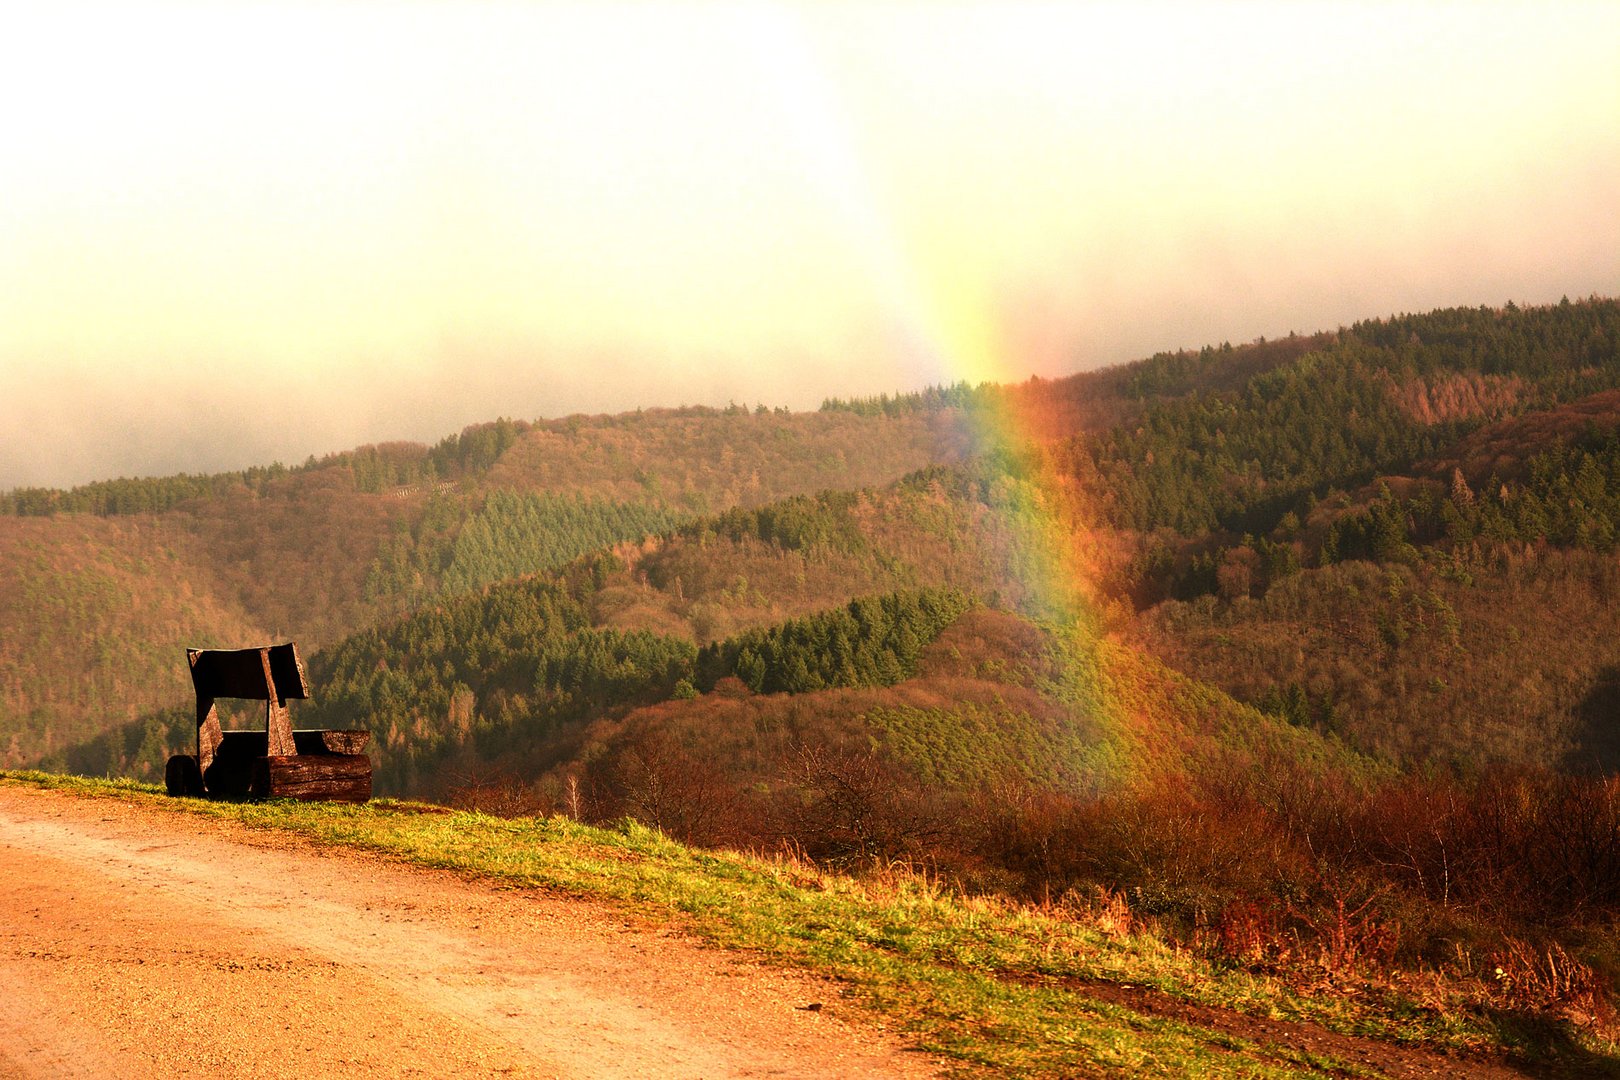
x,y
277,762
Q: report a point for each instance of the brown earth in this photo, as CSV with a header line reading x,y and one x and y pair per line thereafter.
x,y
137,943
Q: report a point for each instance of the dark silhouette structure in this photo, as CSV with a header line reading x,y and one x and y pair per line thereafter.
x,y
278,762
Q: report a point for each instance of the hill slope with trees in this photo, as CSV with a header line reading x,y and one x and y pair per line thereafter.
x,y
143,568
1299,651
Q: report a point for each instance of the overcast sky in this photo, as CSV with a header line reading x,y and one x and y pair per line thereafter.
x,y
234,233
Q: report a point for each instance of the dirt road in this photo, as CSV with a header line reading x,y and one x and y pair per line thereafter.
x,y
136,943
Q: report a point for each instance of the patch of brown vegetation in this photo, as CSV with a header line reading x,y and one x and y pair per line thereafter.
x,y
1458,396
1504,448
708,461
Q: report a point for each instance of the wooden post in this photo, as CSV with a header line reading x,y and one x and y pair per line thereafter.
x,y
277,720
209,735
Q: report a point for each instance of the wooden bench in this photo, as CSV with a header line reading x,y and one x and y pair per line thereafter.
x,y
277,762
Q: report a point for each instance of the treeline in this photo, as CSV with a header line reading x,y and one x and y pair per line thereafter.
x,y
1334,418
1554,344
959,395
797,523
874,641
504,673
1215,367
471,453
454,673
139,495
522,533
1569,498
374,468
574,423
1238,462
445,550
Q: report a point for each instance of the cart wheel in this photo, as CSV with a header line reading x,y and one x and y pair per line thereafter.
x,y
182,776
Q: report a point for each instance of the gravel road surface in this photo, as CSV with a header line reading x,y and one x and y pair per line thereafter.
x,y
136,942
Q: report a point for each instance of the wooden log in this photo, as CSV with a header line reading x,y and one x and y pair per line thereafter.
x,y
315,777
182,776
231,775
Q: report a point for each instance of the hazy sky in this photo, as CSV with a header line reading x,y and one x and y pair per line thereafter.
x,y
233,232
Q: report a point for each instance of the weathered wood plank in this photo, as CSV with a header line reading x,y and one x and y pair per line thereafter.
x,y
330,777
277,721
239,673
208,731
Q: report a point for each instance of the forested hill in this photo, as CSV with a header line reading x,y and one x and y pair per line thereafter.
x,y
1336,701
102,586
1406,537
1403,532
1234,498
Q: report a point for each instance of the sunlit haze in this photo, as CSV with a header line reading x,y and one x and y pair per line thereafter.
x,y
235,233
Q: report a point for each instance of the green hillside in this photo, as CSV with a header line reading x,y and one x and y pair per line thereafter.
x,y
1406,580
143,568
472,676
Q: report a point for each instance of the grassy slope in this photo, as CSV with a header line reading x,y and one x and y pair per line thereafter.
x,y
997,988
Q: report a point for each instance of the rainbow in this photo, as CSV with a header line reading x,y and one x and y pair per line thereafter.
x,y
945,321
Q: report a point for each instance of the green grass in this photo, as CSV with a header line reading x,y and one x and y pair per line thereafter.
x,y
986,984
